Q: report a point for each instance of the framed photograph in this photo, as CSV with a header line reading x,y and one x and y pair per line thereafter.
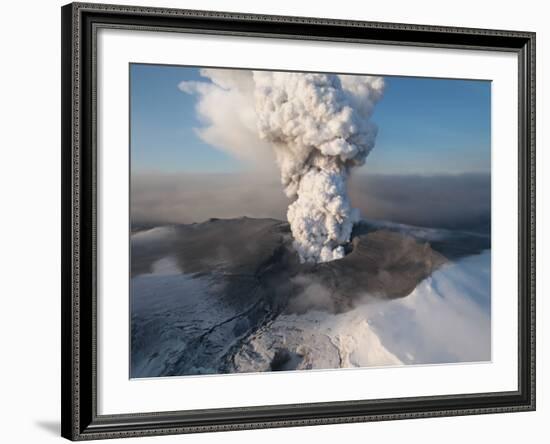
x,y
282,221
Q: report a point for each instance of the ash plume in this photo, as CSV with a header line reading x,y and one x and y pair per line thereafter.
x,y
319,128
319,131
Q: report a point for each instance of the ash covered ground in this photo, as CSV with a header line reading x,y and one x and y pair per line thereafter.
x,y
230,295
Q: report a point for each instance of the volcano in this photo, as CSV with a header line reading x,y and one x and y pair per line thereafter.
x,y
231,295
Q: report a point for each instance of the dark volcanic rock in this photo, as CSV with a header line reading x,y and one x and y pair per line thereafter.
x,y
382,264
384,261
232,246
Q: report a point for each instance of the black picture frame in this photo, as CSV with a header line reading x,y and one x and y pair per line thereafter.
x,y
80,420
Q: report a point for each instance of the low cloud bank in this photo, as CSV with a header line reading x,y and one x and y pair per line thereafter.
x,y
457,201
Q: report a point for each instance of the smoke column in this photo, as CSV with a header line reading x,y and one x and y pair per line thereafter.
x,y
319,131
319,127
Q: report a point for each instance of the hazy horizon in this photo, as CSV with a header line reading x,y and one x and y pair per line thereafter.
x,y
461,201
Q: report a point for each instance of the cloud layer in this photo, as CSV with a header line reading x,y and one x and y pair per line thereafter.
x,y
461,202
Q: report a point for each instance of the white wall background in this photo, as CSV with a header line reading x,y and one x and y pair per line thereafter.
x,y
30,221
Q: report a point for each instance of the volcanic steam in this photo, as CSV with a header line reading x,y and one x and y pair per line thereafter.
x,y
319,128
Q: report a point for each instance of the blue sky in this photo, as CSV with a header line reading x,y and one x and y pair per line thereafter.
x,y
426,126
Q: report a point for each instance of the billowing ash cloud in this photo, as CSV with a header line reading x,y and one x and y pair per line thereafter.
x,y
319,128
226,108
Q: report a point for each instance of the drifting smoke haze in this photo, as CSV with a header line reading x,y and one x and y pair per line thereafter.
x,y
449,201
319,128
